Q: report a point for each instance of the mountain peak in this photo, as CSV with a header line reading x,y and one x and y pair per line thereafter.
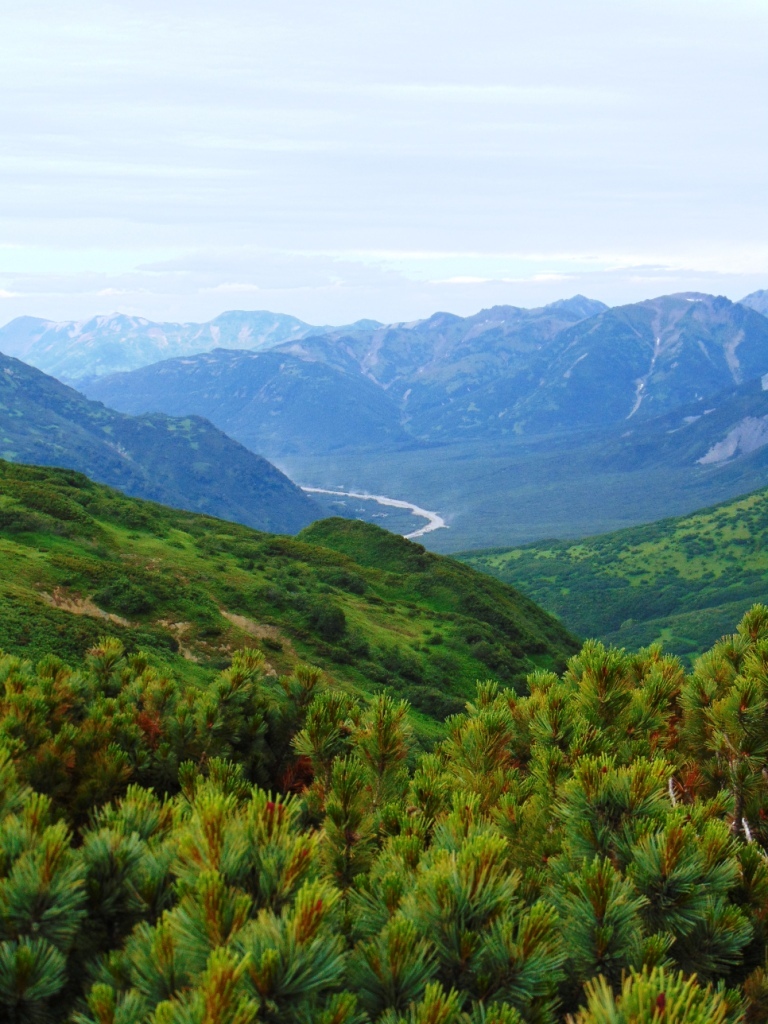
x,y
117,342
757,301
438,320
579,305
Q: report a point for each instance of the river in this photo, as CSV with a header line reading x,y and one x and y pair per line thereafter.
x,y
434,521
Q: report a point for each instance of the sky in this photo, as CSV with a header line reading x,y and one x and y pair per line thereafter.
x,y
381,159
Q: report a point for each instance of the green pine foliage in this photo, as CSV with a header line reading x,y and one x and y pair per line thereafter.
x,y
277,850
656,995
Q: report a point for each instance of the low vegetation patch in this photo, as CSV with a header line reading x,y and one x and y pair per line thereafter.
x,y
682,581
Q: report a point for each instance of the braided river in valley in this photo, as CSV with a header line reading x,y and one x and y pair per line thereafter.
x,y
434,520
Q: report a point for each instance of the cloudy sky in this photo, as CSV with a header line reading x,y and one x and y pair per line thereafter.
x,y
378,159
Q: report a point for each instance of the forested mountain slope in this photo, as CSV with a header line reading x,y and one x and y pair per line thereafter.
x,y
79,560
682,581
185,462
269,401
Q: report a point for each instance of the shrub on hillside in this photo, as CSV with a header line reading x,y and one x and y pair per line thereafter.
x,y
327,619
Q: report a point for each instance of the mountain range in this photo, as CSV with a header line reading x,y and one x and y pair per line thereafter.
x,y
184,462
73,350
416,381
505,372
513,424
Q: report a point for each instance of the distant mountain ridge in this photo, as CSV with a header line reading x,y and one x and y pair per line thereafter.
x,y
73,350
187,463
448,373
757,301
505,372
512,423
396,384
643,360
274,401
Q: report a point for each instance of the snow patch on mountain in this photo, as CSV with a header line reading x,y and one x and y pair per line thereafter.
x,y
642,382
731,358
746,436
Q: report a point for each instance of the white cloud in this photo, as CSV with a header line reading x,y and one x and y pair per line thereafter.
x,y
325,157
465,92
321,290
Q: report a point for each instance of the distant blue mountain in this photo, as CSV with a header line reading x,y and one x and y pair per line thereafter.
x,y
360,386
573,365
73,350
635,362
268,400
758,301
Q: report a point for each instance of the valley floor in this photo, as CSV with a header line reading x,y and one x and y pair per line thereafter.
x,y
362,501
504,494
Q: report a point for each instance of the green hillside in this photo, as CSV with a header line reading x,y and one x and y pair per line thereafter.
x,y
682,581
78,560
184,462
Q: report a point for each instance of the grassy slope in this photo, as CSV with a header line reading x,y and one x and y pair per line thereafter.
x,y
375,611
684,580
